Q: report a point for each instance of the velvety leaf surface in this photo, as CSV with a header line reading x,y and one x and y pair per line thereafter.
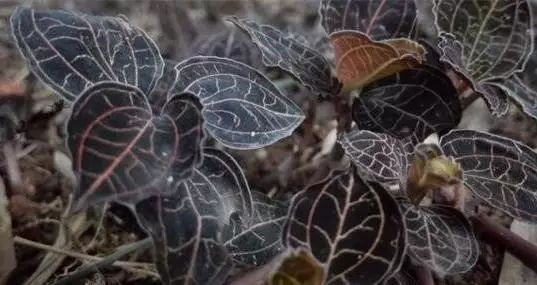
x,y
291,54
185,111
231,44
380,19
242,108
185,230
495,37
355,230
498,170
187,226
484,41
413,103
377,156
360,60
441,238
71,52
220,173
297,268
257,240
521,93
122,151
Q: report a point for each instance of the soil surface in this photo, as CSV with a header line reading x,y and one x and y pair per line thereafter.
x,y
40,181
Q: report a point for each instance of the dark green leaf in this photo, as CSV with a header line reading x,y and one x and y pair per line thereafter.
x,y
495,37
122,151
257,240
441,238
187,226
355,230
292,55
413,103
377,156
242,108
498,170
485,41
185,230
71,52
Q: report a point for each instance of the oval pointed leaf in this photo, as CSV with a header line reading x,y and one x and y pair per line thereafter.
x,y
441,238
121,151
495,37
377,156
187,226
517,90
355,230
378,19
360,60
257,241
292,55
185,230
413,103
71,52
498,170
242,108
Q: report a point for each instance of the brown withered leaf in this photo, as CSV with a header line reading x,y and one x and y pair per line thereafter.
x,y
361,60
297,268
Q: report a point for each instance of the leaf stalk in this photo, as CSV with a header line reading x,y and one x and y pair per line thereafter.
x,y
493,233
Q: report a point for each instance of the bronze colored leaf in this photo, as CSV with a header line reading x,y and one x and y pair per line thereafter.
x,y
361,60
406,46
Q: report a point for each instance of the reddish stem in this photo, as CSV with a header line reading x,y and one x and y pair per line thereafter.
x,y
423,275
522,249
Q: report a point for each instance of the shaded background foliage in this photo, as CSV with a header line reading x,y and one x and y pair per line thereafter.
x,y
176,25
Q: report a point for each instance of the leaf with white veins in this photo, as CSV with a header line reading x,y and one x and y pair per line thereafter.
x,y
242,108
